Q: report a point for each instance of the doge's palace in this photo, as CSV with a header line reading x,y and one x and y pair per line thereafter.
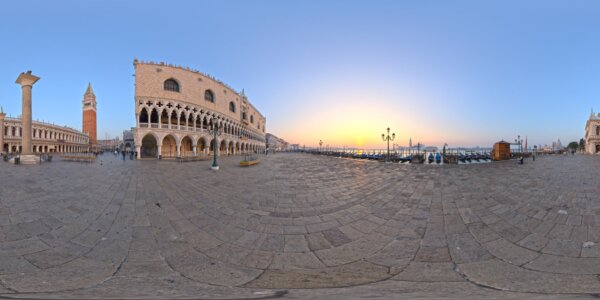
x,y
176,109
592,134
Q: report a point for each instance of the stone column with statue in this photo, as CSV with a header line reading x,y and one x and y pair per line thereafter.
x,y
27,80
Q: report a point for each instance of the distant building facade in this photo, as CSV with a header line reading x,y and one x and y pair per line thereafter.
x,y
109,145
592,134
176,109
275,143
89,115
128,141
46,137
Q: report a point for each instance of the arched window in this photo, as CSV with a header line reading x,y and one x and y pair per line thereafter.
x,y
597,130
171,85
231,106
252,119
244,115
209,96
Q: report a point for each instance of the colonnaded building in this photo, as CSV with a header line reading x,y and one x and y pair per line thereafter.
x,y
592,134
176,109
46,137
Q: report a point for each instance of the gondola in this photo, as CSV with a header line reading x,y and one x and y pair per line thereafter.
x,y
405,159
438,158
430,158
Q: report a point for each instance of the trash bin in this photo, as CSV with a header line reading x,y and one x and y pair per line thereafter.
x,y
160,157
17,160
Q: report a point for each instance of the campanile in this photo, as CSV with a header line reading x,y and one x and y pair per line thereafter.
x,y
89,114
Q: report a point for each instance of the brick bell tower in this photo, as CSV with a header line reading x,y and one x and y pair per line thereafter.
x,y
89,115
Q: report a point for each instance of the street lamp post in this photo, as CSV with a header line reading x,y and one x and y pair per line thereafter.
x,y
216,131
388,138
320,144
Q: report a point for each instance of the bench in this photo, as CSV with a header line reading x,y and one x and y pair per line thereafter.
x,y
78,158
247,163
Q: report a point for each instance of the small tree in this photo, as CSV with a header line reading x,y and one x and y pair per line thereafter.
x,y
581,144
573,145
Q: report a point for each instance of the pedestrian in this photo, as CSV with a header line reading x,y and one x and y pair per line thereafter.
x,y
123,154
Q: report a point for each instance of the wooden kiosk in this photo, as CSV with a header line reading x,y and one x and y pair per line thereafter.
x,y
501,150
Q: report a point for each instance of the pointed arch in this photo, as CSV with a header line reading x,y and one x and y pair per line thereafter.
x,y
187,146
143,119
164,118
149,146
202,144
169,146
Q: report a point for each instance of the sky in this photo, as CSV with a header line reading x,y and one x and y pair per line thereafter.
x,y
466,73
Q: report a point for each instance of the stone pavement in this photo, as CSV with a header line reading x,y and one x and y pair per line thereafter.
x,y
313,226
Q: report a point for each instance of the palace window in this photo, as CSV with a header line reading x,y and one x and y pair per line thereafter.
x,y
251,119
597,130
209,96
171,85
231,106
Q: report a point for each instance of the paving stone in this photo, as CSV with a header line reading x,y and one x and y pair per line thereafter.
x,y
345,275
353,251
336,237
204,269
591,250
429,272
433,254
288,261
316,241
22,247
565,265
563,247
505,276
534,242
144,269
510,252
396,254
482,232
273,242
15,264
464,248
295,243
50,258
